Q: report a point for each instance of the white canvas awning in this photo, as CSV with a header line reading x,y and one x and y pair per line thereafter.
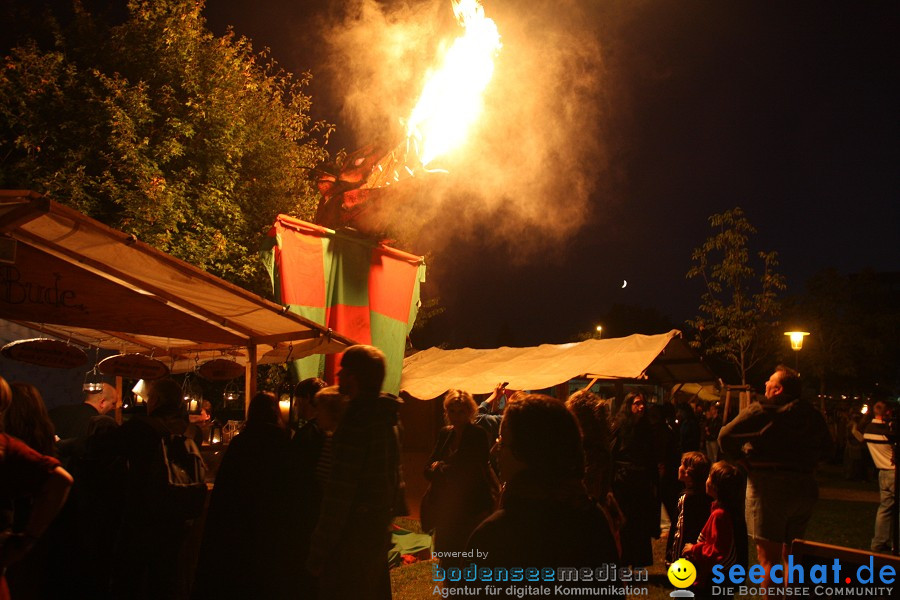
x,y
69,276
663,358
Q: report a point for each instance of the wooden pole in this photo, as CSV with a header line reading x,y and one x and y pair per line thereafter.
x,y
250,378
118,413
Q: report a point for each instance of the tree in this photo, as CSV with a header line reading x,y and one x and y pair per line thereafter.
x,y
191,142
739,310
854,322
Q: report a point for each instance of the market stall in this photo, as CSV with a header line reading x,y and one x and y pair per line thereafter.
x,y
77,280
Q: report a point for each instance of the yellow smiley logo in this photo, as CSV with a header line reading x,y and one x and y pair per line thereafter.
x,y
682,573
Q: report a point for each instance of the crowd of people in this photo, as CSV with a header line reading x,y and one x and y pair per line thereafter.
x,y
521,480
88,506
571,468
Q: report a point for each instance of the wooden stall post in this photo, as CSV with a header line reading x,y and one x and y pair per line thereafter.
x,y
118,413
250,378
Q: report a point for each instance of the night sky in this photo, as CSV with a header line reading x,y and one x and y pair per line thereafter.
x,y
684,109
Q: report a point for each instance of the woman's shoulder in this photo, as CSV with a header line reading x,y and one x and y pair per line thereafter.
x,y
474,432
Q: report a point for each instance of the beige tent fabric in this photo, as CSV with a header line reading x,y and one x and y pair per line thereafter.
x,y
430,373
76,279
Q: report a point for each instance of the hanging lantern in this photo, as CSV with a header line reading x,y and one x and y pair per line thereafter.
x,y
284,405
215,434
191,394
93,381
231,396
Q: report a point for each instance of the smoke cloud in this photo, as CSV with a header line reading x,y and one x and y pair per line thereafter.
x,y
533,160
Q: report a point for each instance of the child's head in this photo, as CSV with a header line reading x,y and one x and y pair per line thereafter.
x,y
725,484
693,470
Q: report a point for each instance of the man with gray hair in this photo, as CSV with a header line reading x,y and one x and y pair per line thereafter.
x,y
779,442
349,547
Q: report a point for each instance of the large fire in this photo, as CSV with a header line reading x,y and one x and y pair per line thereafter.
x,y
450,103
451,98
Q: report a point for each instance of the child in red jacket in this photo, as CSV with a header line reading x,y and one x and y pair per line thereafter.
x,y
723,540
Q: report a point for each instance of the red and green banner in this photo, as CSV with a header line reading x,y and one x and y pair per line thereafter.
x,y
361,289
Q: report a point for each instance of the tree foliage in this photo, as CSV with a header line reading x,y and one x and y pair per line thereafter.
x,y
854,325
153,125
739,310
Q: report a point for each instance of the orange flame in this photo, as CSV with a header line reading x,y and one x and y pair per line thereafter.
x,y
451,99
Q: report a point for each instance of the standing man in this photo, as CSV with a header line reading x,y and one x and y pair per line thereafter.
x,y
349,547
779,441
73,422
149,547
83,535
878,440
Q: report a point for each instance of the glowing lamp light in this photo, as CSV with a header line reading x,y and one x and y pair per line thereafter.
x,y
93,381
599,331
796,338
284,405
139,390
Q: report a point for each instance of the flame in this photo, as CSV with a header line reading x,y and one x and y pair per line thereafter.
x,y
451,98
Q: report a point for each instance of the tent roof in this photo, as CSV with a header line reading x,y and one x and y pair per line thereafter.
x,y
664,358
76,279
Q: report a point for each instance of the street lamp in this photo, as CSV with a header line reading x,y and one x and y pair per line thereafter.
x,y
599,331
796,338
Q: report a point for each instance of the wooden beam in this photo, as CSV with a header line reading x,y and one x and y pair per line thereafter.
x,y
250,378
589,385
118,413
27,206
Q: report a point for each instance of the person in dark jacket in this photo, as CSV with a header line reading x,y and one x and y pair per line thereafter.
x,y
779,442
546,519
151,538
459,476
74,422
84,534
693,506
245,509
635,471
349,548
311,457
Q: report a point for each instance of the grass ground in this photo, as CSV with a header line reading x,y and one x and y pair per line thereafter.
x,y
847,521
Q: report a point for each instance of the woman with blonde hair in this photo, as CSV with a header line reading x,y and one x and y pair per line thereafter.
x,y
459,497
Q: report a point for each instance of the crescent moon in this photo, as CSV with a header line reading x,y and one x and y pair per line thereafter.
x,y
624,283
